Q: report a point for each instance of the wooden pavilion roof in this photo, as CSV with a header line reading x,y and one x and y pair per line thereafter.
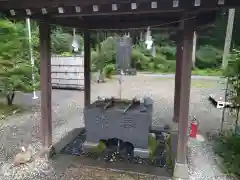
x,y
116,14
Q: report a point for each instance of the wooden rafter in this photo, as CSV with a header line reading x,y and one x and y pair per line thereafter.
x,y
129,21
90,14
112,6
163,4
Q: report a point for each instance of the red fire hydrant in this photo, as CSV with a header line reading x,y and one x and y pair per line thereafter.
x,y
194,128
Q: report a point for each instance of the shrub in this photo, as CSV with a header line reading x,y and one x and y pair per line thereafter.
x,y
169,66
109,70
66,54
140,60
168,51
160,59
151,66
232,72
106,53
228,147
208,57
94,60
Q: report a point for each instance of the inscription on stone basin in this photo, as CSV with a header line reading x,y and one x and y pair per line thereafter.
x,y
128,123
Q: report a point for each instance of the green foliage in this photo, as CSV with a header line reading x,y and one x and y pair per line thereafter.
x,y
107,50
228,148
109,70
215,36
15,70
141,61
94,61
228,145
208,57
168,51
208,72
141,58
153,143
67,54
62,41
104,57
233,74
162,38
100,148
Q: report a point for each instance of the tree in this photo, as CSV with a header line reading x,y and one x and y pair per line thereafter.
x,y
232,72
62,41
106,54
15,68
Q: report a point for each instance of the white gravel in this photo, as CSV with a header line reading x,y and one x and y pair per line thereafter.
x,y
67,114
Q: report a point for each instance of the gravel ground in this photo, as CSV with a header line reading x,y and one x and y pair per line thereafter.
x,y
67,114
203,164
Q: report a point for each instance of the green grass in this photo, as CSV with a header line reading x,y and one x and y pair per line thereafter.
x,y
207,72
200,72
6,110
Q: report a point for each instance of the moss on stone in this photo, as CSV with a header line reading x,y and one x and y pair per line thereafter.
x,y
153,143
169,151
100,148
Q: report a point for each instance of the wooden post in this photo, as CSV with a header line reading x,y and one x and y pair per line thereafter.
x,y
87,69
179,44
45,83
181,167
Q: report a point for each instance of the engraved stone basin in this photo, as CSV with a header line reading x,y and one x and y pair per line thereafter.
x,y
128,120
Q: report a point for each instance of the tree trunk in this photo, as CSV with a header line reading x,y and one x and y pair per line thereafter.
x,y
10,98
101,68
194,50
228,39
102,61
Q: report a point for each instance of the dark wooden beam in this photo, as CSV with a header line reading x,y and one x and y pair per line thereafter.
x,y
105,6
61,3
45,83
181,165
106,9
23,4
185,82
157,21
133,21
111,24
177,89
